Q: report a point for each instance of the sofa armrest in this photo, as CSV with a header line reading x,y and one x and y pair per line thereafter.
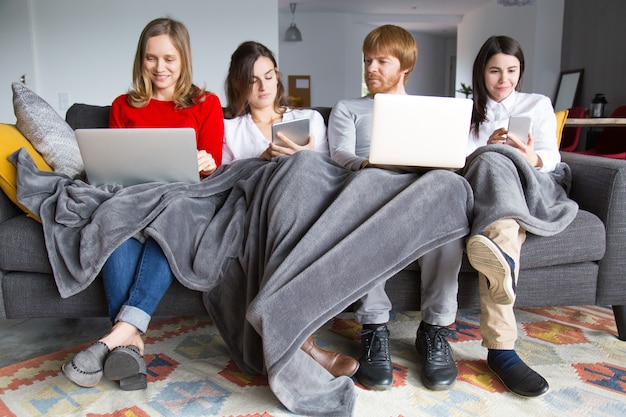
x,y
7,208
599,186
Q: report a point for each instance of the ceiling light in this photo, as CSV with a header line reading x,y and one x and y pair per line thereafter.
x,y
293,33
516,2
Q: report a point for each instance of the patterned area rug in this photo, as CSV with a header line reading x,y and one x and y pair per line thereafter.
x,y
190,373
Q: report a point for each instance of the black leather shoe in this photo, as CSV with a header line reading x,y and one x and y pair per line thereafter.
x,y
521,380
438,367
375,368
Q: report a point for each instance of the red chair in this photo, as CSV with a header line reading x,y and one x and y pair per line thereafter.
x,y
571,135
612,141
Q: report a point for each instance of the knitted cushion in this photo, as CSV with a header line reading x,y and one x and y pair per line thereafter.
x,y
49,134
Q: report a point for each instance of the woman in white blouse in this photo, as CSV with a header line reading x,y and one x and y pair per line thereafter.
x,y
256,100
495,251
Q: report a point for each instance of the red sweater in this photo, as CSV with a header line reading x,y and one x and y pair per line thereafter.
x,y
206,118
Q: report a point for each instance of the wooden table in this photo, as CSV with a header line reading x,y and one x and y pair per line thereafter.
x,y
595,122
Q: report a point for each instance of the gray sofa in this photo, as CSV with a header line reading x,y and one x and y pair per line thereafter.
x,y
584,265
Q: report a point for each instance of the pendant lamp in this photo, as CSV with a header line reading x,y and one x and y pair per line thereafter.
x,y
293,33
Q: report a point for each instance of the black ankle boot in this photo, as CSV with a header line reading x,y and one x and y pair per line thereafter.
x,y
438,367
375,370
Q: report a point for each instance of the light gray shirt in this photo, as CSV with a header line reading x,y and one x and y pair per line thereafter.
x,y
349,131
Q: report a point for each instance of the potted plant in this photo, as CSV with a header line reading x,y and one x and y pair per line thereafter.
x,y
465,89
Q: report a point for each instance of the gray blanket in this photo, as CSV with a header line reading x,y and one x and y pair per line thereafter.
x,y
506,186
278,248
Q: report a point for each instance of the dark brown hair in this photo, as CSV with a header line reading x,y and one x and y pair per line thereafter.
x,y
492,46
240,79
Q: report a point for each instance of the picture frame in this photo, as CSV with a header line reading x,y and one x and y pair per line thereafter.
x,y
568,89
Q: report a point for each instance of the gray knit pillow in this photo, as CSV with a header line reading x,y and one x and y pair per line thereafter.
x,y
53,138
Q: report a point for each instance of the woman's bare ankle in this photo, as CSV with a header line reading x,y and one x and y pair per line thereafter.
x,y
123,334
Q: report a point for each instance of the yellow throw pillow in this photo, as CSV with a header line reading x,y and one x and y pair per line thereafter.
x,y
561,116
11,140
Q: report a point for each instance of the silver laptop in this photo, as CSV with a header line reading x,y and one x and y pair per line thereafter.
x,y
420,131
139,155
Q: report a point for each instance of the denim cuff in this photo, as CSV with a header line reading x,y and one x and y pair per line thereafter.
x,y
132,315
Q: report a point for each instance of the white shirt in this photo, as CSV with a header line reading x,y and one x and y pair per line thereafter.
x,y
541,112
243,139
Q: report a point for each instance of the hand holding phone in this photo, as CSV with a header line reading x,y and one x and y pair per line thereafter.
x,y
519,127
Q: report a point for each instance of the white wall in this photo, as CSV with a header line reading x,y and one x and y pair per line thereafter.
x,y
594,41
537,27
16,48
331,47
330,53
320,54
429,77
86,48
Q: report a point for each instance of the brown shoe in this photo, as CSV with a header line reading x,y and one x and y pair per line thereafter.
x,y
335,363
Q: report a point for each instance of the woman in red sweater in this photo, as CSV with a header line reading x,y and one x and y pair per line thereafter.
x,y
137,274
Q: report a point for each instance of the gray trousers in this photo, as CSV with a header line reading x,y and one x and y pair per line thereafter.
x,y
439,273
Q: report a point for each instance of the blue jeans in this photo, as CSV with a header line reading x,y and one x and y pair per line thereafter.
x,y
136,276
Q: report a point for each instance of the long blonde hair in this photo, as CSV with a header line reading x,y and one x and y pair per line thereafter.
x,y
185,93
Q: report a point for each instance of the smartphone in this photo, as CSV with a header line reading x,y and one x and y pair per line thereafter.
x,y
296,130
519,126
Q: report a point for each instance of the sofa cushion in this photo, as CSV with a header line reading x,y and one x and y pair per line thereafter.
x,y
11,140
87,116
584,240
23,247
52,137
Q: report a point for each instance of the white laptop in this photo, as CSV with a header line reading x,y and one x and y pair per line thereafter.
x,y
139,155
420,131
